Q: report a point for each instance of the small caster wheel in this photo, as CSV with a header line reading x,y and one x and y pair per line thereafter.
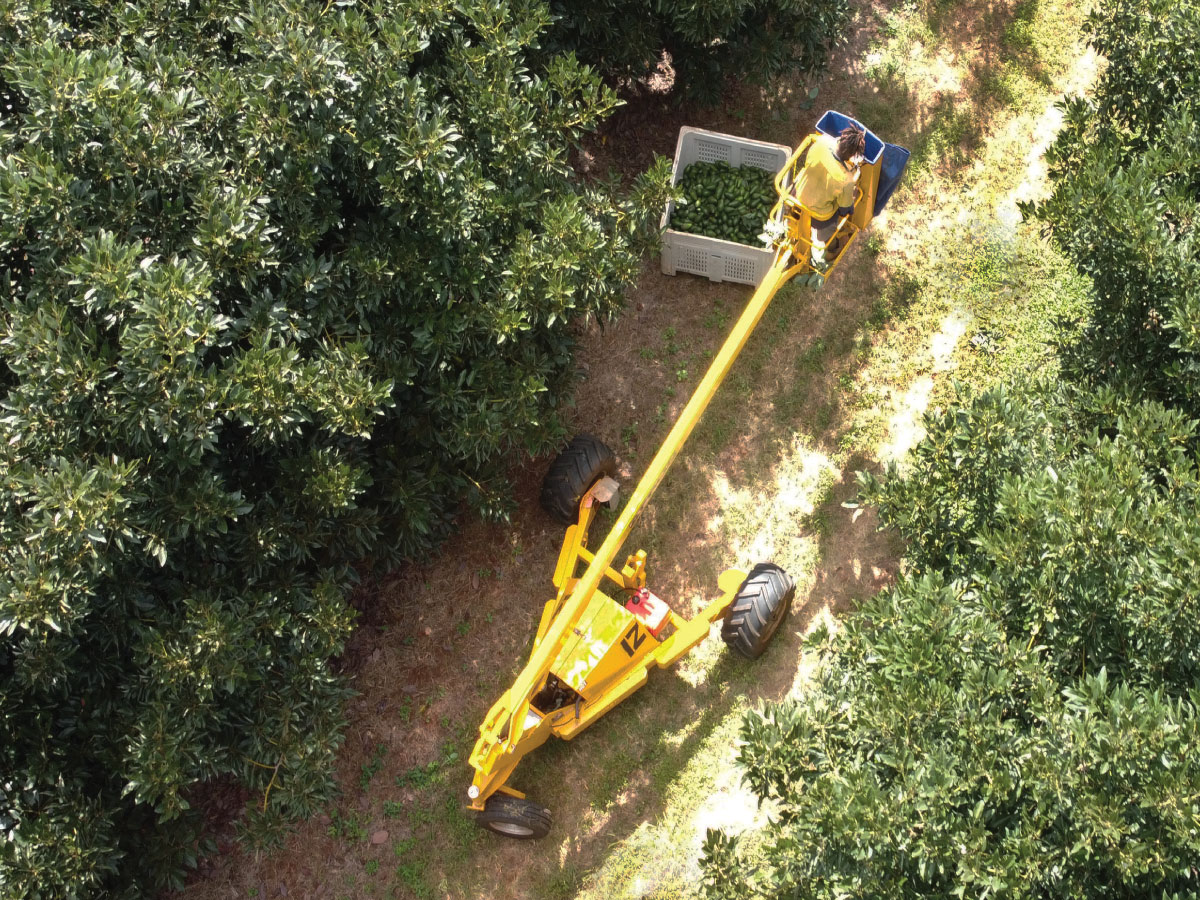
x,y
514,817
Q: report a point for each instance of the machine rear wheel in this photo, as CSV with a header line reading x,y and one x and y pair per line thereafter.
x,y
577,468
761,604
514,817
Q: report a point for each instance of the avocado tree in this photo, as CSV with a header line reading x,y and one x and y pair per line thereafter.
x,y
1019,716
1126,195
708,41
281,284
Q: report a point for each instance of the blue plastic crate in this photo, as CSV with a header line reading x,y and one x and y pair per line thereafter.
x,y
895,159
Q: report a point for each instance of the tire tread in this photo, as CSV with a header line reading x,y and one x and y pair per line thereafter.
x,y
584,460
755,612
504,808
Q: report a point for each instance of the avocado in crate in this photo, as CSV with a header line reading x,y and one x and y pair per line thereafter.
x,y
725,202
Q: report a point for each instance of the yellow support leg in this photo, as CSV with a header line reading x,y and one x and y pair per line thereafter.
x,y
692,632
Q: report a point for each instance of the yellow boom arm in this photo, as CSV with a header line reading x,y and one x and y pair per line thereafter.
x,y
540,661
511,729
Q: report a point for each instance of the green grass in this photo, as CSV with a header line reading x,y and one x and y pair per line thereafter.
x,y
371,768
561,885
668,840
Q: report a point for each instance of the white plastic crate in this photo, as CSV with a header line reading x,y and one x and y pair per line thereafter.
x,y
719,260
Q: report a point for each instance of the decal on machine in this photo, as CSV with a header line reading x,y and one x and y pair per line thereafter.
x,y
633,639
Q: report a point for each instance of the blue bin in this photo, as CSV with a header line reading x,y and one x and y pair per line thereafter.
x,y
895,158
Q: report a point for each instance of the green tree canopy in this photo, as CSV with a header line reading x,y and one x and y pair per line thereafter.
x,y
282,284
1020,715
1126,199
708,41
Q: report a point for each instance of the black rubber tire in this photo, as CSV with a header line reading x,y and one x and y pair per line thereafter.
x,y
514,817
761,604
577,468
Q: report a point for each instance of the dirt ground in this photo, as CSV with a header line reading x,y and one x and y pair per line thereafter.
x,y
439,640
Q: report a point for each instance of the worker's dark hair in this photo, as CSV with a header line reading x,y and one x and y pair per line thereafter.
x,y
851,142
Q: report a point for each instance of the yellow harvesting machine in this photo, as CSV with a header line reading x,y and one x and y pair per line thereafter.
x,y
603,630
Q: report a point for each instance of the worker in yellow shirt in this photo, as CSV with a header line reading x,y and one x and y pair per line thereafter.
x,y
826,183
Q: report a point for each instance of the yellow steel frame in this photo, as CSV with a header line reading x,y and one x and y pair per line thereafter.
x,y
512,728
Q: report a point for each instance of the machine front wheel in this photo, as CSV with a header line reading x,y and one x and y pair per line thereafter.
x,y
577,468
514,817
761,604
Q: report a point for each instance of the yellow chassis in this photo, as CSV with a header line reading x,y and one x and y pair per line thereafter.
x,y
513,727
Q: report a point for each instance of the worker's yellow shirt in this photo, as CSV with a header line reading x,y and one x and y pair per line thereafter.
x,y
825,183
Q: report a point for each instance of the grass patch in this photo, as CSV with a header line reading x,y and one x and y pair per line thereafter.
x,y
561,885
658,858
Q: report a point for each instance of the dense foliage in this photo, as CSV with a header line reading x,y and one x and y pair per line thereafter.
x,y
1126,201
281,284
708,41
1020,715
1073,516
